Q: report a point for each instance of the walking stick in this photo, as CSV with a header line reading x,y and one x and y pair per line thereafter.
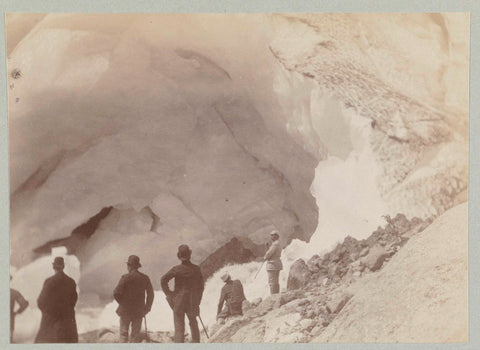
x,y
146,330
259,269
203,327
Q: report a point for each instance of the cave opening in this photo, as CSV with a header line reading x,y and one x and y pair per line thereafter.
x,y
77,238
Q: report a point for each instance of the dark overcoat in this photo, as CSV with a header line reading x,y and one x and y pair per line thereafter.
x,y
130,294
57,303
189,285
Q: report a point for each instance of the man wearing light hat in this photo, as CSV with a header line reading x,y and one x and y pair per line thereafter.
x,y
57,303
274,264
187,294
232,294
130,295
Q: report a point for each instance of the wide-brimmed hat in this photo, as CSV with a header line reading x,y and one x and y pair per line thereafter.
x,y
134,261
225,277
184,252
58,262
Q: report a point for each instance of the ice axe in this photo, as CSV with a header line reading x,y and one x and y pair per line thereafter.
x,y
146,330
259,269
204,329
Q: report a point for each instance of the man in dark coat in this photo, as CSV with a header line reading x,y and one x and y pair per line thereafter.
x,y
130,295
57,303
231,294
186,297
15,298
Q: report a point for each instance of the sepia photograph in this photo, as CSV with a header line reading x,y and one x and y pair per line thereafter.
x,y
238,177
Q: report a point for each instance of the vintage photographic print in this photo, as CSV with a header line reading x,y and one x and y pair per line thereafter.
x,y
238,178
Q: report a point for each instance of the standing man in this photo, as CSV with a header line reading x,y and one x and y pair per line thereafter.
x,y
186,297
274,264
130,295
15,297
57,303
232,294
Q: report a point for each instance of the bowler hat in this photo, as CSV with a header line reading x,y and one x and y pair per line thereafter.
x,y
134,261
58,262
184,252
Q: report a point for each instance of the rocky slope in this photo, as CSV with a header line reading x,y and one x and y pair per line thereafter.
x,y
383,289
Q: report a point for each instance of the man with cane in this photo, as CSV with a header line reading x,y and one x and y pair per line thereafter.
x,y
187,294
130,295
274,264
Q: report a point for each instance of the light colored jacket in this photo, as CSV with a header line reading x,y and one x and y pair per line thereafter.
x,y
273,257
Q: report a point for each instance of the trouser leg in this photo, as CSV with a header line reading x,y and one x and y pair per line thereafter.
x,y
12,327
223,315
179,322
273,281
136,327
124,325
194,328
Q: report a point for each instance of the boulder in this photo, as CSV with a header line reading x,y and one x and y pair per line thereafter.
x,y
314,263
337,302
333,270
299,275
364,251
306,323
264,307
316,330
374,260
287,297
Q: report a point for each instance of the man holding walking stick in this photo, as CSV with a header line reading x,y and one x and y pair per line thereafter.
x,y
130,295
187,294
274,264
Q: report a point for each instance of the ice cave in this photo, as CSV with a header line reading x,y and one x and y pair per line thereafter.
x,y
135,133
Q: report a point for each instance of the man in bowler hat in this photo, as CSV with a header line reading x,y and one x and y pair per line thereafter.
x,y
57,303
130,295
186,297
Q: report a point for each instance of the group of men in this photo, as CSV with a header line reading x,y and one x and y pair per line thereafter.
x,y
134,294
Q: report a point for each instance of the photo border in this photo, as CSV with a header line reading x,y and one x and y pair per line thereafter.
x,y
250,6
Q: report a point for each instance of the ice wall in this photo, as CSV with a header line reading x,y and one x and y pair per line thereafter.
x,y
166,119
